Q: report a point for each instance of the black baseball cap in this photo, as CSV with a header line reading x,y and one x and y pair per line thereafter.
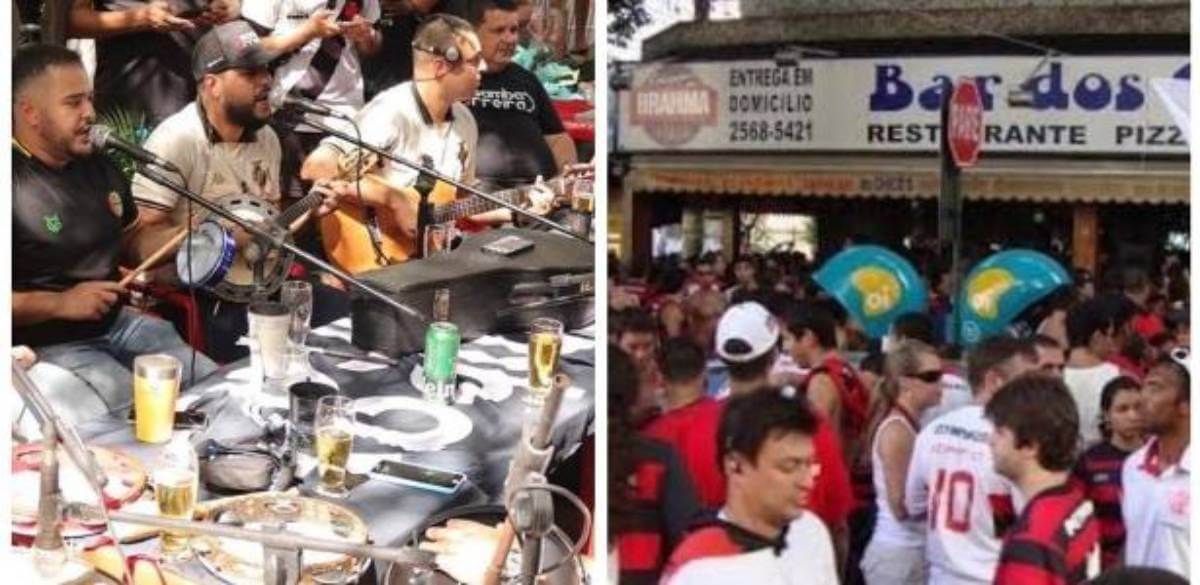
x,y
233,45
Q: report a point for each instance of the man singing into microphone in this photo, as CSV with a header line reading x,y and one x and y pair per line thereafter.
x,y
72,221
420,119
222,145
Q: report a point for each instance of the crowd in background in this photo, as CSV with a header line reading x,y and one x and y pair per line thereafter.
x,y
745,403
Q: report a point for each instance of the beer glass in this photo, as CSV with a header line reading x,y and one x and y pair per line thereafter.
x,y
582,206
155,387
545,343
269,324
581,197
176,478
334,428
297,296
438,238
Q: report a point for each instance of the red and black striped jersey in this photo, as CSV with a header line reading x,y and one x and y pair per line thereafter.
x,y
1056,541
662,506
1098,474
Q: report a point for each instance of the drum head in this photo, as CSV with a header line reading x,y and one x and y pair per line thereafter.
x,y
205,257
239,284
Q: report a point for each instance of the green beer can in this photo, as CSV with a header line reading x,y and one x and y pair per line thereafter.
x,y
441,352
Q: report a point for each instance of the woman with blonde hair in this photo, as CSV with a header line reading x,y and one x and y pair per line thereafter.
x,y
911,383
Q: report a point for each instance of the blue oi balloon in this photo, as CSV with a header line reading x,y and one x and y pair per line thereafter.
x,y
1000,287
874,284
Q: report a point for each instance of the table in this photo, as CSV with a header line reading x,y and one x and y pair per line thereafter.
x,y
392,511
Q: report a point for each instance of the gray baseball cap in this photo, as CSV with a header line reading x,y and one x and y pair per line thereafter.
x,y
233,45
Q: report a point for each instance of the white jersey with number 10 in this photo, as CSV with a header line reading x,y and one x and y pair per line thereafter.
x,y
966,503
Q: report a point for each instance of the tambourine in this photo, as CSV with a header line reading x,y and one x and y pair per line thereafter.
x,y
215,264
206,256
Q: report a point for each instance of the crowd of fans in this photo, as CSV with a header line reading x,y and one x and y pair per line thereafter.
x,y
756,432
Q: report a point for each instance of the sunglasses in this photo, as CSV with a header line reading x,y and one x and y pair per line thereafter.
x,y
929,377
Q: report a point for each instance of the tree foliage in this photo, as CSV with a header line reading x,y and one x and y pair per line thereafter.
x,y
624,18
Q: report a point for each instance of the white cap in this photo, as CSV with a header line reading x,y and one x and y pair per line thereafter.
x,y
751,324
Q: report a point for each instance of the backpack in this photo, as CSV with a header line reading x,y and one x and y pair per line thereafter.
x,y
855,397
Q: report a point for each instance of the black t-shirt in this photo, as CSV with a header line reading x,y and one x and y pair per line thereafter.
x,y
147,72
515,114
67,227
393,63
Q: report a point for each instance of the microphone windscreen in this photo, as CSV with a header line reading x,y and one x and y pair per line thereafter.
x,y
100,135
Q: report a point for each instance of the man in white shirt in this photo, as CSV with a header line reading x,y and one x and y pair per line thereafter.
x,y
951,479
222,146
424,121
1156,501
763,534
1094,332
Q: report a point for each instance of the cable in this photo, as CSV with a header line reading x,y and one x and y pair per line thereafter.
x,y
369,215
981,32
577,547
191,278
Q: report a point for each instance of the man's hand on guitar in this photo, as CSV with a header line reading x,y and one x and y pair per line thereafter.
x,y
332,192
541,198
580,171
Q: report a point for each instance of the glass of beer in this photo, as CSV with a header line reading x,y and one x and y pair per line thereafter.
x,y
581,198
297,296
438,239
155,387
581,205
545,343
334,430
176,477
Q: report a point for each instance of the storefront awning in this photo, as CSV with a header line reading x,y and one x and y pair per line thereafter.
x,y
1043,181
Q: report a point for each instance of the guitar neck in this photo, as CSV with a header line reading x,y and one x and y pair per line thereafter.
x,y
294,211
472,205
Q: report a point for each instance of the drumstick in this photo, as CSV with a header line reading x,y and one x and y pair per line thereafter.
x,y
158,254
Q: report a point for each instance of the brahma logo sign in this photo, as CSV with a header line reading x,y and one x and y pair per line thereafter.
x,y
673,105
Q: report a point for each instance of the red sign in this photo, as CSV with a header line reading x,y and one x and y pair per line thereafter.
x,y
965,127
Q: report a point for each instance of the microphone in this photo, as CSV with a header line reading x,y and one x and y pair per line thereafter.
x,y
308,106
532,456
103,137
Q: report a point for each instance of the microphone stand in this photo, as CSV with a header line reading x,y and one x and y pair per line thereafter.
x,y
277,239
529,512
54,429
424,207
445,179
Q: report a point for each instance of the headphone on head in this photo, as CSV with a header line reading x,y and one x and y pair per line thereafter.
x,y
451,54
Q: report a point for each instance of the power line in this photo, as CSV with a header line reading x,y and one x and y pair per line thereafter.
x,y
951,24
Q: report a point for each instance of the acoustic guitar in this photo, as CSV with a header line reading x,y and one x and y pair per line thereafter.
x,y
346,235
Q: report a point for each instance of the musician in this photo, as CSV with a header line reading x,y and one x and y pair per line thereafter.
x,y
423,119
72,220
520,134
222,145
